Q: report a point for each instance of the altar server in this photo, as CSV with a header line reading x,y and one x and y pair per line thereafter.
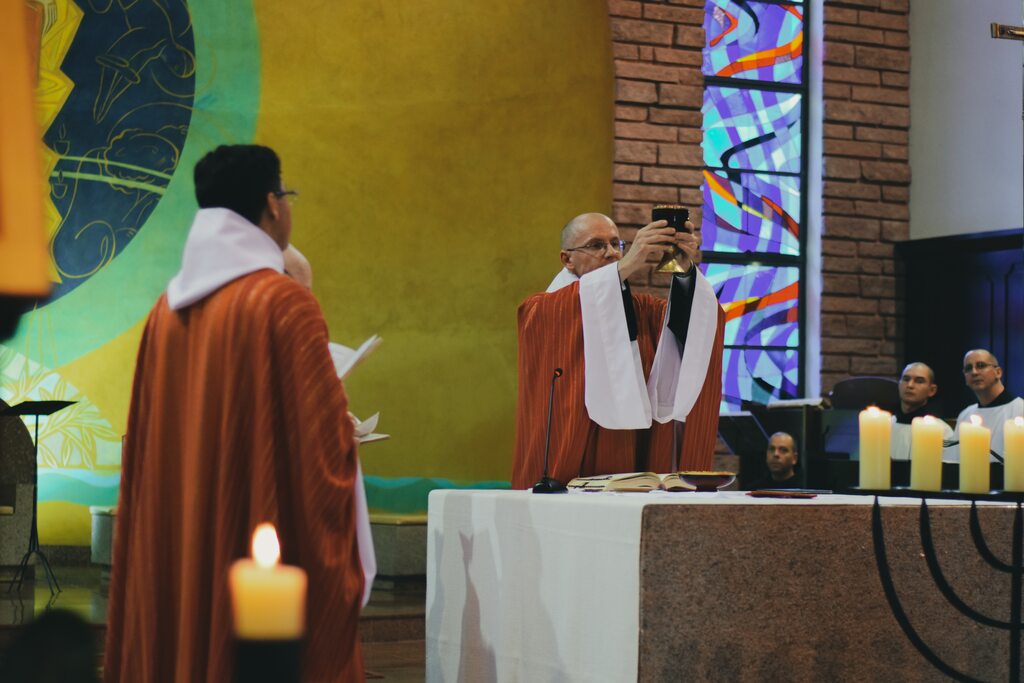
x,y
995,404
917,387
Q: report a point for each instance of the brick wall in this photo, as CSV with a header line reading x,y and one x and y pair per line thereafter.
x,y
867,185
658,95
657,50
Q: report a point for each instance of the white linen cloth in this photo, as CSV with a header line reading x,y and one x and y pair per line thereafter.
x,y
221,247
615,392
522,587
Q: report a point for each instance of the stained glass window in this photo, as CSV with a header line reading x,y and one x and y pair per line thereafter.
x,y
754,206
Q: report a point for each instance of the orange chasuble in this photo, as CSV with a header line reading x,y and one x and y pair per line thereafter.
x,y
237,418
551,336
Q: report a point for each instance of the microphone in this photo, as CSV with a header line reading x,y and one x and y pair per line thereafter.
x,y
546,483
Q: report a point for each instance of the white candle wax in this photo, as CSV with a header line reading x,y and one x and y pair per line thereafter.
x,y
974,456
268,599
926,454
875,435
1013,454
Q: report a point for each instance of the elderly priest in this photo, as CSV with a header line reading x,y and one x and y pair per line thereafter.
x,y
627,359
236,418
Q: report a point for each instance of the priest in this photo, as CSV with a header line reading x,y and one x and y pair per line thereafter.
x,y
995,404
236,418
641,375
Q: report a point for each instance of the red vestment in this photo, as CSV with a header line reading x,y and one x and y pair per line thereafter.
x,y
237,418
551,336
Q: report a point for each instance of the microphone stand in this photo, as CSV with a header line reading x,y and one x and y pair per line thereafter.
x,y
546,483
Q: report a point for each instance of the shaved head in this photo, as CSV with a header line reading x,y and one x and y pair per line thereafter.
x,y
577,226
922,367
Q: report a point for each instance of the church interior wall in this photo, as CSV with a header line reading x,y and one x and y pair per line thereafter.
x,y
966,134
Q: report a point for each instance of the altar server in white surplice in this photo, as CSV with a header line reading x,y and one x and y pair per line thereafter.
x,y
995,404
917,386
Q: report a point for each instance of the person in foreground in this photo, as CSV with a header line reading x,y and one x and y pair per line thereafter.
x,y
627,359
780,458
236,418
916,387
995,404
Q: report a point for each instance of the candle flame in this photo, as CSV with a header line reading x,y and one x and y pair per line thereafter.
x,y
265,548
975,419
1019,421
873,410
928,419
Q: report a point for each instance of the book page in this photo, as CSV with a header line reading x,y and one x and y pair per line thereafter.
x,y
364,429
346,359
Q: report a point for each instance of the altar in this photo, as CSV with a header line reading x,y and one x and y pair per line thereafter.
x,y
719,586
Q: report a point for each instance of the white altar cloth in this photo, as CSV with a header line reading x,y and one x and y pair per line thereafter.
x,y
524,587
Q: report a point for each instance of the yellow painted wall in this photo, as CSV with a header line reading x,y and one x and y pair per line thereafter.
x,y
438,146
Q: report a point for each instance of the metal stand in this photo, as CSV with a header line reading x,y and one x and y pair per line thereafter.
x,y
1014,569
36,408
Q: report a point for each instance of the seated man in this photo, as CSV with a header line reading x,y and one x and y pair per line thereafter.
x,y
917,386
608,341
780,458
995,404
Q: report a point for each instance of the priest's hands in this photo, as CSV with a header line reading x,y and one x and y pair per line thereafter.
x,y
688,244
650,245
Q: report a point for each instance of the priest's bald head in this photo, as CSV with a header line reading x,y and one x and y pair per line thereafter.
x,y
983,375
589,241
247,180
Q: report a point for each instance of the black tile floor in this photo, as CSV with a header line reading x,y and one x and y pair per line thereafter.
x,y
392,624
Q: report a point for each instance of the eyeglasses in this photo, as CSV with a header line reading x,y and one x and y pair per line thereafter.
x,y
980,367
600,246
291,194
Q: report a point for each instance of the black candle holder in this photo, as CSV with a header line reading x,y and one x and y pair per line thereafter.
x,y
268,661
1015,569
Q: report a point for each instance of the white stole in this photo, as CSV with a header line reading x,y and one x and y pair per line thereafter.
x,y
615,392
676,380
364,537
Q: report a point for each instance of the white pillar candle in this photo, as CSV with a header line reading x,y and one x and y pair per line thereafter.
x,y
974,449
875,436
268,599
926,454
1013,454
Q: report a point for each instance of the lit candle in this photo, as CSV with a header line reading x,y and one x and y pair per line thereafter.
x,y
1013,454
875,434
268,599
974,447
926,454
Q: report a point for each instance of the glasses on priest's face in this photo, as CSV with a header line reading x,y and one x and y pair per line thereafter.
x,y
599,247
292,195
980,366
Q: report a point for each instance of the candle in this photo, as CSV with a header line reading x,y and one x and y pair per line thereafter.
x,y
1013,454
974,447
875,431
926,454
268,599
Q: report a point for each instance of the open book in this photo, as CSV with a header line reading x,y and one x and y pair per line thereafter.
x,y
630,481
364,429
345,361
